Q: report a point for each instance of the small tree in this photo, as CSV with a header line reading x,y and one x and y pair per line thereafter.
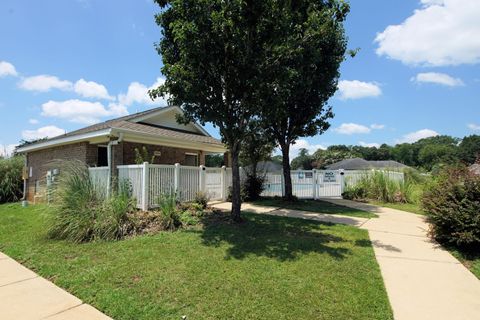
x,y
256,146
210,51
307,43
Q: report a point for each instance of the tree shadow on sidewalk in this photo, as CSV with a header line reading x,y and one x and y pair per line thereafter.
x,y
274,237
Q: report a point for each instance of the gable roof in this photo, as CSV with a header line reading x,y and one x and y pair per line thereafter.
x,y
362,164
130,123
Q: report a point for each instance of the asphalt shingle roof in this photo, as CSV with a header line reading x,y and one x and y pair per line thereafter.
x,y
362,164
125,123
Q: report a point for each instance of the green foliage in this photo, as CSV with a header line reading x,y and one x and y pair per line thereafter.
x,y
378,186
256,146
81,213
469,149
214,160
452,205
252,187
11,186
201,198
142,155
169,213
303,161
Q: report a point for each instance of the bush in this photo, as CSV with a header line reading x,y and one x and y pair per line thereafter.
x,y
202,199
250,189
11,179
81,213
452,205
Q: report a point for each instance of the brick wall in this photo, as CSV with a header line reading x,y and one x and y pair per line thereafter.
x,y
43,160
168,155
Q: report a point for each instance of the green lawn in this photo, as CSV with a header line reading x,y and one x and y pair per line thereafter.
x,y
266,268
409,207
314,206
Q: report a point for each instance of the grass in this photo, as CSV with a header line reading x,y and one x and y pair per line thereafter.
x,y
471,260
408,207
266,268
314,206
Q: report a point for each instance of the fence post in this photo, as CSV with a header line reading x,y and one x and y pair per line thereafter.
x,y
223,179
202,179
342,181
145,186
282,181
176,178
314,183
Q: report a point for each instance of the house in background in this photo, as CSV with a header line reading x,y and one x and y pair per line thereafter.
x,y
113,142
362,164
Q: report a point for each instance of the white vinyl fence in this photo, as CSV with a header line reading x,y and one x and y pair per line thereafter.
x,y
149,181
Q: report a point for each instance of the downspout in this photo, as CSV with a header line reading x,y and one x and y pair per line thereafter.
x,y
24,199
110,160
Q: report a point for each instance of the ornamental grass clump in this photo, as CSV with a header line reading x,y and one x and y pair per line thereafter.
x,y
11,179
82,212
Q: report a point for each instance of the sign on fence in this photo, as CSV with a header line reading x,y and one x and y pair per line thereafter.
x,y
330,176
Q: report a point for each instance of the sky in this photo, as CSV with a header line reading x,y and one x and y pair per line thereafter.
x,y
65,64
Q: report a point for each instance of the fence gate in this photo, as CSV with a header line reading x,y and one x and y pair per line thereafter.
x,y
213,183
329,183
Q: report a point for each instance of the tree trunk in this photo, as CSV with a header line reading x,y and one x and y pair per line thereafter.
x,y
287,177
236,200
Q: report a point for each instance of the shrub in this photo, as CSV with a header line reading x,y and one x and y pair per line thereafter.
x,y
452,205
11,179
253,187
202,199
169,213
81,213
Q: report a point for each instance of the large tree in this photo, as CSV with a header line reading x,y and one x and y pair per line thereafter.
x,y
302,57
256,146
210,51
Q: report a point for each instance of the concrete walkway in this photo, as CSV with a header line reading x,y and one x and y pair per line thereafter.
x,y
423,280
26,295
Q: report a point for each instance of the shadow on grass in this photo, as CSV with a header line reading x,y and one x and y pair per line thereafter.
x,y
274,237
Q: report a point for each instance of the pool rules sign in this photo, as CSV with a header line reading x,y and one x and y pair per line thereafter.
x,y
330,176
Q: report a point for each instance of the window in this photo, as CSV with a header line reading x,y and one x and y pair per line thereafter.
x,y
37,187
102,159
191,159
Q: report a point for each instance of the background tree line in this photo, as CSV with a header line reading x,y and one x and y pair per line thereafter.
x,y
426,154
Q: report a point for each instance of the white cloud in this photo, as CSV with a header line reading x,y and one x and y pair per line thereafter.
x,y
81,111
91,89
304,144
354,89
138,93
43,132
33,121
352,128
437,78
7,69
369,144
6,150
441,33
474,127
377,126
417,135
44,83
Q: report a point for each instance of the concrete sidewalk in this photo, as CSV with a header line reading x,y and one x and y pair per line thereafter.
x,y
26,295
423,281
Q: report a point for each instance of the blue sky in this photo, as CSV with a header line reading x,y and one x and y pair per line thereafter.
x,y
66,64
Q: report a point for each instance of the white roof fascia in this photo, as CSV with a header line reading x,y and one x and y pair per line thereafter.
x,y
55,142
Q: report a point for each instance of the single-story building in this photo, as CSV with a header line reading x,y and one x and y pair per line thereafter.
x,y
362,164
113,142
